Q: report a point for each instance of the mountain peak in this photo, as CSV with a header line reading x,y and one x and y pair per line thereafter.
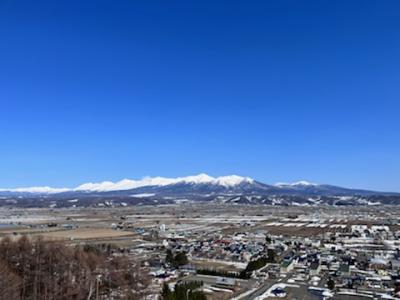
x,y
196,179
297,183
303,182
233,180
230,180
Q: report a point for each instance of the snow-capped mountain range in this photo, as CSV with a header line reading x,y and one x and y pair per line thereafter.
x,y
202,187
129,184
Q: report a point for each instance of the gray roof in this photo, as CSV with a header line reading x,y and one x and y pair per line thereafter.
x,y
314,265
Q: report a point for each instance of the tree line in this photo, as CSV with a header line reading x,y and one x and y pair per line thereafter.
x,y
33,269
183,291
179,259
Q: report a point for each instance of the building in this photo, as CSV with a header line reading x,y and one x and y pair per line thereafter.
x,y
344,270
377,263
395,264
315,268
287,266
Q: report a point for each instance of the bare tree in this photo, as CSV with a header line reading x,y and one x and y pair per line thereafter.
x,y
50,270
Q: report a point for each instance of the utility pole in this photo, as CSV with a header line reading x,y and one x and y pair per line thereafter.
x,y
97,287
187,294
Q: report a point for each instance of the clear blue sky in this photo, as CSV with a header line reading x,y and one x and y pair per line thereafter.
x,y
275,90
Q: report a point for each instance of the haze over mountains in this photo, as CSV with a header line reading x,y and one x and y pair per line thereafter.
x,y
202,187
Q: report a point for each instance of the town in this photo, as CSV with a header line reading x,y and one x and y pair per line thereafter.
x,y
217,251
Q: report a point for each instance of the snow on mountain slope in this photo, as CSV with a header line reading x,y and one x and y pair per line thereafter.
x,y
36,189
128,184
232,180
298,183
197,187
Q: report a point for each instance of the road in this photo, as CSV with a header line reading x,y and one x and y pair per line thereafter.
x,y
262,289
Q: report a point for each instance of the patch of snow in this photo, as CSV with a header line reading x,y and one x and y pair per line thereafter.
x,y
269,292
298,183
143,195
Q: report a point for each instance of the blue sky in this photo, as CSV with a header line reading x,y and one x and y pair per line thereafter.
x,y
275,90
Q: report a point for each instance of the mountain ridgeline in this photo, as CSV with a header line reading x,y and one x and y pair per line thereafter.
x,y
200,188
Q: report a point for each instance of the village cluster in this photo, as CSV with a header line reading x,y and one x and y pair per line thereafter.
x,y
243,252
357,262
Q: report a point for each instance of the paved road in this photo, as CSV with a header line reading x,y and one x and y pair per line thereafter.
x,y
262,289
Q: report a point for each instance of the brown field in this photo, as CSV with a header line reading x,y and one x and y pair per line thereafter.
x,y
300,231
86,233
208,264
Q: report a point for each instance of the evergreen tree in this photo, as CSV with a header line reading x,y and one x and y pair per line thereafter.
x,y
170,257
166,292
181,259
271,256
331,284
